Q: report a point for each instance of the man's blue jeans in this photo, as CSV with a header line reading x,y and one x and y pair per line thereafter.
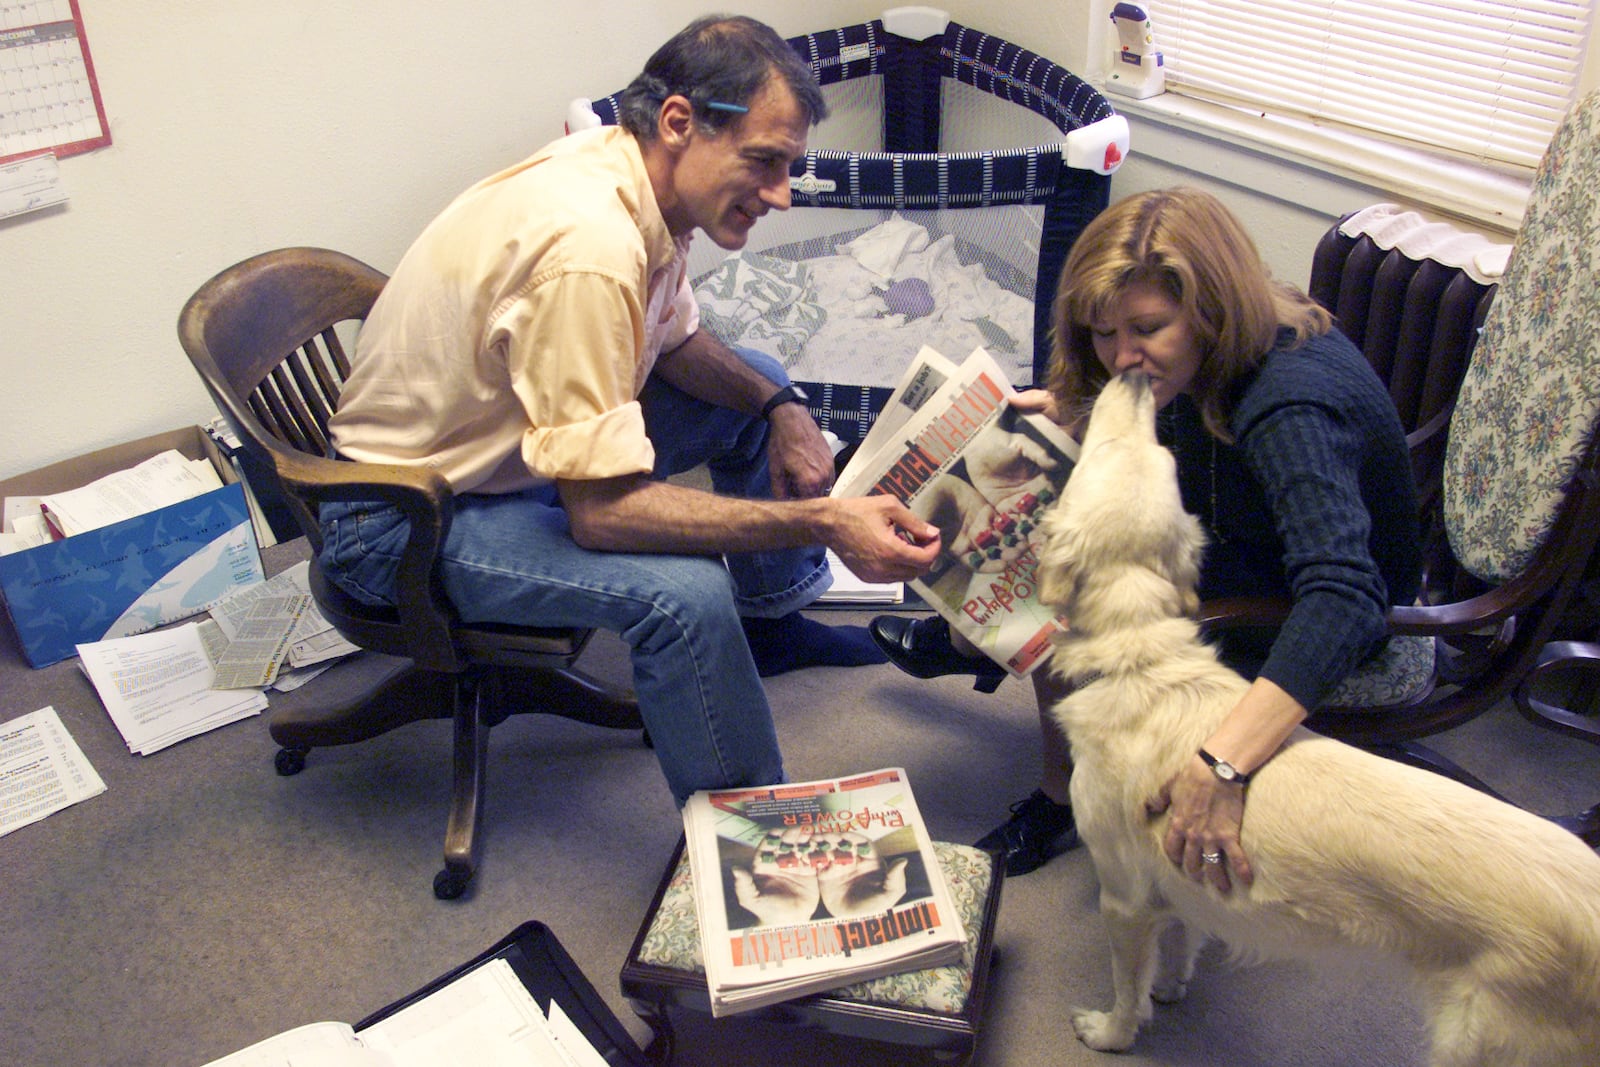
x,y
511,559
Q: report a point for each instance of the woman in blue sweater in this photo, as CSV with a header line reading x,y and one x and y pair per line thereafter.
x,y
1290,453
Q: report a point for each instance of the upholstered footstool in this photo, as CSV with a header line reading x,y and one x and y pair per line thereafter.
x,y
938,1009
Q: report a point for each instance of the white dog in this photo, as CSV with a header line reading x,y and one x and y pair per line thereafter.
x,y
1496,910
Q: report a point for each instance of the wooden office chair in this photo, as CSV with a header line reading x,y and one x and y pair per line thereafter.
x,y
265,336
1520,483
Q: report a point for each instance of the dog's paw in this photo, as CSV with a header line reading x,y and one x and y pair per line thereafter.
x,y
1104,1031
1169,990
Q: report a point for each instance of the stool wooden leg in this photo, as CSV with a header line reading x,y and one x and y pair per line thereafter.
x,y
663,1040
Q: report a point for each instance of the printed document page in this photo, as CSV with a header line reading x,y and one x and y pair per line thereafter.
x,y
485,1018
324,1044
161,480
314,640
259,634
157,687
42,769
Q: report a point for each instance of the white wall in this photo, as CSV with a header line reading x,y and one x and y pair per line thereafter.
x,y
239,126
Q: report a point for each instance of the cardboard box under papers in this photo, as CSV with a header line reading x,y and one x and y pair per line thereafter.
x,y
133,575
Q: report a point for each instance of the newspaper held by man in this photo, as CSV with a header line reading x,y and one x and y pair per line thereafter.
x,y
810,886
951,447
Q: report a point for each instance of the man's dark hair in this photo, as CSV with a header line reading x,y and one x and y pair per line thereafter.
x,y
721,58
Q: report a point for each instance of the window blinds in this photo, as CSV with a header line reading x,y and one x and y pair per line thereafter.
x,y
1486,79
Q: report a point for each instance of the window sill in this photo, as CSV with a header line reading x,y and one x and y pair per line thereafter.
x,y
1478,194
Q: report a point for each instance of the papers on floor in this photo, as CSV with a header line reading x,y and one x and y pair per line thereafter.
x,y
273,625
847,589
172,684
157,687
314,641
314,645
486,1018
163,479
42,770
258,640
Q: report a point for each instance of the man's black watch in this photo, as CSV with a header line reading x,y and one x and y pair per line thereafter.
x,y
789,394
1224,770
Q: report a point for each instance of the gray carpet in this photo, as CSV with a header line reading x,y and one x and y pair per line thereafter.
x,y
203,902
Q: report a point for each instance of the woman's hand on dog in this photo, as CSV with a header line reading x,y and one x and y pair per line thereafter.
x,y
1206,815
1206,812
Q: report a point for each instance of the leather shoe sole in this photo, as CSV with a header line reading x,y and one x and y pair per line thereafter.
x,y
922,648
1038,829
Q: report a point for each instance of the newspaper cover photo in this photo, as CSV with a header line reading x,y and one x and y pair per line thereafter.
x,y
951,448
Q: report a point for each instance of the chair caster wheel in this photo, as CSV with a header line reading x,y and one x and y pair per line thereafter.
x,y
289,761
450,883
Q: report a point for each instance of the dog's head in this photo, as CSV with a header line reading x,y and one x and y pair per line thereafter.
x,y
1119,548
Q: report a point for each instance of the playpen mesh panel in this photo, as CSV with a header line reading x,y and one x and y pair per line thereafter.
x,y
846,297
933,207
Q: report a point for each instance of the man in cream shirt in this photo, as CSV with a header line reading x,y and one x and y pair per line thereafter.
x,y
540,348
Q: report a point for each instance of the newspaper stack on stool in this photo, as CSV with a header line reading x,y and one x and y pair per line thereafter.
x,y
937,1008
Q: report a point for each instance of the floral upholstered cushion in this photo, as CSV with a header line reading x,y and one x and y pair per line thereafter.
x,y
1532,390
673,939
1401,673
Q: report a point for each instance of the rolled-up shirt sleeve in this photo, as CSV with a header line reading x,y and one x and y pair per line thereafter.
x,y
572,341
608,445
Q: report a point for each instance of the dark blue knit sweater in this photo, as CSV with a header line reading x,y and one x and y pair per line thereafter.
x,y
1314,501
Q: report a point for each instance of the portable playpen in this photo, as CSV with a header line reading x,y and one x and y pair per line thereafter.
x,y
934,207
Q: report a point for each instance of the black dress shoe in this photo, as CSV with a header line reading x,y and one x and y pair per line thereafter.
x,y
922,648
1038,829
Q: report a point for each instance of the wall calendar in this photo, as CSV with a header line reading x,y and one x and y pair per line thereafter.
x,y
49,98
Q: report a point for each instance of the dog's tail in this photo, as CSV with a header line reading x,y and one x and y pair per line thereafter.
x,y
1477,1020
1528,993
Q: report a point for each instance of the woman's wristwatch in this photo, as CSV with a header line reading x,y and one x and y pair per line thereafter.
x,y
1225,770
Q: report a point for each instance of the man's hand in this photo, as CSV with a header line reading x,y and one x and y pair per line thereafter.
x,y
882,540
799,457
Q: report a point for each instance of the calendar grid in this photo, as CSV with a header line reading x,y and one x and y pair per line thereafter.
x,y
49,97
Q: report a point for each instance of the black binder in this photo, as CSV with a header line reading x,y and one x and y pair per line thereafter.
x,y
549,973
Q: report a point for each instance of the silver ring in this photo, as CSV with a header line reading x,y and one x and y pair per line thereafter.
x,y
1211,857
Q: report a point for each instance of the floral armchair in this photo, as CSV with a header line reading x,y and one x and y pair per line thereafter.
x,y
1520,493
